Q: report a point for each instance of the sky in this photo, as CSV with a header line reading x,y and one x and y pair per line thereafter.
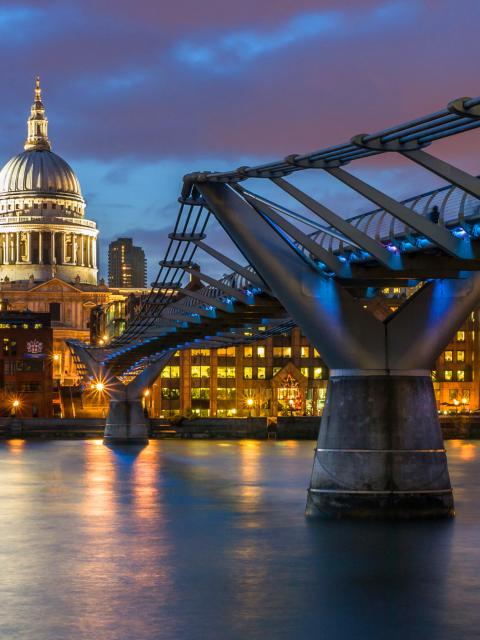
x,y
140,92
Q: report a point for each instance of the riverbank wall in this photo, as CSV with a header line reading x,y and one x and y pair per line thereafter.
x,y
282,428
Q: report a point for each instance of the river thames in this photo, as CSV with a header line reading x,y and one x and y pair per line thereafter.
x,y
208,539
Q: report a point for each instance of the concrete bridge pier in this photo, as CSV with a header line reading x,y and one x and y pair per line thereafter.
x,y
126,423
380,451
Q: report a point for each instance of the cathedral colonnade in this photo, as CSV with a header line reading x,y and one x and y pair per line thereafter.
x,y
48,246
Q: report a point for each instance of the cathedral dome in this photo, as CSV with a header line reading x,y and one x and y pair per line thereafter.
x,y
38,170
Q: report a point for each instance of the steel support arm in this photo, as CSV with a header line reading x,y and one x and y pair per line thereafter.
x,y
212,302
362,240
420,331
451,174
221,286
137,387
438,235
231,264
316,250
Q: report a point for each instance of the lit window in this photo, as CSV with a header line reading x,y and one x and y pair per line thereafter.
x,y
304,371
261,373
461,376
248,352
317,373
460,336
226,372
200,372
305,352
466,394
316,354
453,394
247,373
261,352
448,375
282,352
230,352
276,370
175,372
195,372
448,356
460,356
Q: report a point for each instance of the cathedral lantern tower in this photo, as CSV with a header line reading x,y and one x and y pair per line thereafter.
x,y
43,229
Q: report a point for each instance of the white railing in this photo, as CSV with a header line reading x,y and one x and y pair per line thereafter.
x,y
48,220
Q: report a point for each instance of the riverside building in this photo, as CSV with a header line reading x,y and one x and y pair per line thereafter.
x,y
27,363
127,265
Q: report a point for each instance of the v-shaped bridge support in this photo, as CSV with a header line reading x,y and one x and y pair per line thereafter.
x,y
380,450
125,422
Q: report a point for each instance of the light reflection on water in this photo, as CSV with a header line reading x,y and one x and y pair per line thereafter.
x,y
208,539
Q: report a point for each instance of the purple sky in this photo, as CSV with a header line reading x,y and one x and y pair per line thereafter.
x,y
140,92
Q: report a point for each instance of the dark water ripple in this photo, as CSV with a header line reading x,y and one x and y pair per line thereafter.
x,y
208,540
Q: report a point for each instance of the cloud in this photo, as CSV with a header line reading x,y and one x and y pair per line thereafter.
x,y
230,50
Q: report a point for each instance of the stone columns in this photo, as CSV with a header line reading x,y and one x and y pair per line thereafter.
x,y
89,253
7,248
94,252
62,248
74,249
52,257
29,245
18,256
40,247
82,249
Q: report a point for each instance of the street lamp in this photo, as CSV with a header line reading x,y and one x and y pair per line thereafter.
x,y
249,403
456,403
15,405
99,386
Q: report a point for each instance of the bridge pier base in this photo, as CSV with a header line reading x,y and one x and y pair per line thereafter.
x,y
380,451
125,423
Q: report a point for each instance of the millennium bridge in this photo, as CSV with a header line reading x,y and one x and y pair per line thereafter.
x,y
380,450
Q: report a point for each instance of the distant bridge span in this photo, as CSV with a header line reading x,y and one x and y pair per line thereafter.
x,y
380,450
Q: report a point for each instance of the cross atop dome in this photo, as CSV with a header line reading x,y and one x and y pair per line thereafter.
x,y
37,124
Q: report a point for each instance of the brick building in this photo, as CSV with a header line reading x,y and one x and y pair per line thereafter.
x,y
26,371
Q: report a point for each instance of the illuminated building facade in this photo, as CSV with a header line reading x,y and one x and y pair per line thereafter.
x,y
127,265
282,375
43,229
27,363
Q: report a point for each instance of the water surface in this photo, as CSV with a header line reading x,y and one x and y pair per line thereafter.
x,y
208,539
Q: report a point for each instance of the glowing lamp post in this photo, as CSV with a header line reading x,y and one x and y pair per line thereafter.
x,y
456,403
249,403
99,386
15,405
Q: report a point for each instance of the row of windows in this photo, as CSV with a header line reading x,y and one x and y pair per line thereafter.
x,y
278,352
36,205
23,366
460,356
24,387
4,325
201,371
460,376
